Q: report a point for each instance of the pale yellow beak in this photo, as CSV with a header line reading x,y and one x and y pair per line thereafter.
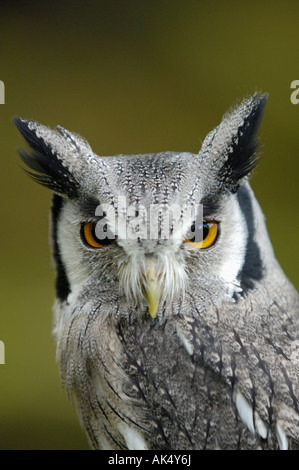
x,y
151,289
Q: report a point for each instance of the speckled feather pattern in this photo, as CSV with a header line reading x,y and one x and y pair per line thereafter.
x,y
218,366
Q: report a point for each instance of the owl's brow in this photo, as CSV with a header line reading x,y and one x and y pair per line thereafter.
x,y
89,207
210,205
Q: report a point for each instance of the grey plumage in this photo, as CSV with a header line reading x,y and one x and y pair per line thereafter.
x,y
215,365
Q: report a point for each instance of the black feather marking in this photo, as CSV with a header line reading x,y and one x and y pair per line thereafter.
x,y
119,445
47,168
252,269
103,411
242,152
290,387
265,369
62,283
211,205
277,349
242,347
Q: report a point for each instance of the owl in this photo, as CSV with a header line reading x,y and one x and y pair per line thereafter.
x,y
176,327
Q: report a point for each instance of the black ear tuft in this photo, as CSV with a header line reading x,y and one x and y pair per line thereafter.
x,y
241,151
45,163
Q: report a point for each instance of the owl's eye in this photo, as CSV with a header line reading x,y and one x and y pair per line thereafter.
x,y
89,237
207,233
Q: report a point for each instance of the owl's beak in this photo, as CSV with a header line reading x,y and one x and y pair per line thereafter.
x,y
151,288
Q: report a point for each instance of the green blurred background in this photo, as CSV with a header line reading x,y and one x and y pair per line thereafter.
x,y
131,76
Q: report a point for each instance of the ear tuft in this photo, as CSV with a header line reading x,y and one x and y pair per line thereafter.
x,y
233,145
44,159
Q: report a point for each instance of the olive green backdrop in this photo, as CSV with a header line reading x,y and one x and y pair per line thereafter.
x,y
132,76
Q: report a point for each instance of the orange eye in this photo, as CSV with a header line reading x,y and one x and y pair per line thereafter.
x,y
89,237
207,234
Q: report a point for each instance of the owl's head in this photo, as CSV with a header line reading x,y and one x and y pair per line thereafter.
x,y
146,229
